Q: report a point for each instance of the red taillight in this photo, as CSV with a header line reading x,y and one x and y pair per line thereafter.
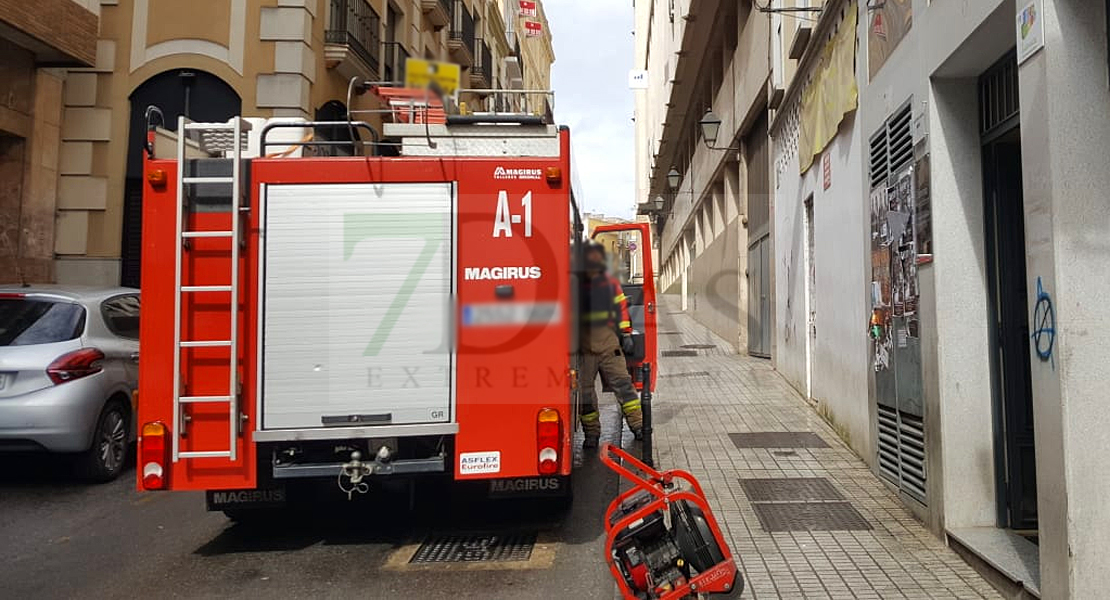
x,y
549,429
152,455
75,365
12,295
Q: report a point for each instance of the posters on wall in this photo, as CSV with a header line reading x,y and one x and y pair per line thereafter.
x,y
894,260
891,20
880,278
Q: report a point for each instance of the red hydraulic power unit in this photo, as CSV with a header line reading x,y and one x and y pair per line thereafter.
x,y
661,540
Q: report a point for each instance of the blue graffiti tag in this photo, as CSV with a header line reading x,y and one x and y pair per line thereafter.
x,y
1044,318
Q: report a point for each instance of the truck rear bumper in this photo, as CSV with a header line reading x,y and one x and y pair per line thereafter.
x,y
346,433
397,467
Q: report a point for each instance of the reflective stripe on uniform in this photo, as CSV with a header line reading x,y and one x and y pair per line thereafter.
x,y
590,417
602,315
625,324
620,298
630,406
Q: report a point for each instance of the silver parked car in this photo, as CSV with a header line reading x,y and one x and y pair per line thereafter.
x,y
69,368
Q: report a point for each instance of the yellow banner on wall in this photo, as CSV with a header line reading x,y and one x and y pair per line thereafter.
x,y
832,92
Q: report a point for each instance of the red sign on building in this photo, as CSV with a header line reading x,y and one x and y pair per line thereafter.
x,y
533,28
528,8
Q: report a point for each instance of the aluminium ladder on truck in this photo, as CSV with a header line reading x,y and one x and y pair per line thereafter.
x,y
228,140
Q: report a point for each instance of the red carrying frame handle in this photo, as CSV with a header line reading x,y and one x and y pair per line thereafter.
x,y
662,485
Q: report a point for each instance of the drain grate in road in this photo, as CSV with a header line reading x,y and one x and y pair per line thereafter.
x,y
791,489
810,516
680,353
699,346
668,333
689,374
475,548
777,439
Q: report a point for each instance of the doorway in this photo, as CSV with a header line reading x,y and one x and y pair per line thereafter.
x,y
1005,252
811,294
757,157
195,94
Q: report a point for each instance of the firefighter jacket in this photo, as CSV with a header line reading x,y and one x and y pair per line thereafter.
x,y
604,313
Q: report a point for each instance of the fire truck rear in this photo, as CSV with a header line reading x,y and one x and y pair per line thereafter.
x,y
346,310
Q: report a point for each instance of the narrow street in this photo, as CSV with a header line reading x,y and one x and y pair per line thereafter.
x,y
70,540
107,541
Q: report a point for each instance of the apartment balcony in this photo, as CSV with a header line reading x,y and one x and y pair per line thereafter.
x,y
352,41
481,72
461,41
514,72
393,62
438,12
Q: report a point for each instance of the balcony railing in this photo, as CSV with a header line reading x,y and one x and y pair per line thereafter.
x,y
481,72
462,25
393,61
355,24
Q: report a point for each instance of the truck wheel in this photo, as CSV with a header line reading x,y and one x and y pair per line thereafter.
x,y
105,460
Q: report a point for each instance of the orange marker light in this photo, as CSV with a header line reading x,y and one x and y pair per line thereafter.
x,y
157,178
554,175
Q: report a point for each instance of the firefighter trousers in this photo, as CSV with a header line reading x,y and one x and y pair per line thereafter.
x,y
615,370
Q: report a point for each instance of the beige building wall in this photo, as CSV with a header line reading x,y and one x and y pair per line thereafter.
x,y
35,39
277,55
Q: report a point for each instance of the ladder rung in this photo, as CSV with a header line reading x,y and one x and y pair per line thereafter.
x,y
203,399
206,288
206,344
203,454
208,179
207,234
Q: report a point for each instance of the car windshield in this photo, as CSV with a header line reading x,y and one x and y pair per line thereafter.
x,y
25,322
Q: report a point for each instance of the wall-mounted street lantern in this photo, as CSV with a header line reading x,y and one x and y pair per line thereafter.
x,y
710,128
673,179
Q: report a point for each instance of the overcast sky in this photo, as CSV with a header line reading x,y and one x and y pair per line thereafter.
x,y
593,54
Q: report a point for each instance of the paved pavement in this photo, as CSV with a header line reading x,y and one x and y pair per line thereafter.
x,y
702,399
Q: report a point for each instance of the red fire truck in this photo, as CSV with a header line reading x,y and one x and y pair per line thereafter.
x,y
325,307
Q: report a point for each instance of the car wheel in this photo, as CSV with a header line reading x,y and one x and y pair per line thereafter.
x,y
105,460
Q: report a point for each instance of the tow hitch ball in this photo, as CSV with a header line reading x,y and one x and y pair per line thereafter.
x,y
354,471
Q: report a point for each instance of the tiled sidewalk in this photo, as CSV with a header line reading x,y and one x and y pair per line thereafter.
x,y
702,399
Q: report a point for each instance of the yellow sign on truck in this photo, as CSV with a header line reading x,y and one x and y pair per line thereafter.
x,y
421,73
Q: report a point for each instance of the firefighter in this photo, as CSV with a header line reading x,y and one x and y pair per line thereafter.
x,y
606,337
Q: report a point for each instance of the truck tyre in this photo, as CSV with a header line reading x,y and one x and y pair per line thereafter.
x,y
105,460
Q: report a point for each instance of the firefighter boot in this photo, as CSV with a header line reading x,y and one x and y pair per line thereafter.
x,y
634,416
591,430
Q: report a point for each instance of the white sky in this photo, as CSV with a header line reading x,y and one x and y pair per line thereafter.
x,y
593,54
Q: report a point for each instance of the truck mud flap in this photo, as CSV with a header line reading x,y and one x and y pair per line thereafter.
x,y
274,497
555,486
